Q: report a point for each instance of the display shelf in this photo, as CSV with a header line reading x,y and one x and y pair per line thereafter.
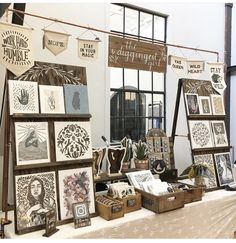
x,y
226,148
206,117
50,116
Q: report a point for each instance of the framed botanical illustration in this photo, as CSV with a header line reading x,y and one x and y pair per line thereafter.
x,y
73,140
32,143
224,168
192,104
51,99
75,185
205,105
219,133
81,214
210,180
23,97
200,134
35,195
217,105
76,99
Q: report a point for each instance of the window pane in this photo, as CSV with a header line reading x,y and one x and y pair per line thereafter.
x,y
131,21
158,123
116,129
158,105
116,17
159,28
145,25
131,104
158,81
116,104
145,80
131,78
143,127
131,127
116,78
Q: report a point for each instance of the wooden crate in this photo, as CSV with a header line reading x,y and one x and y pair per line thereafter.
x,y
162,203
109,212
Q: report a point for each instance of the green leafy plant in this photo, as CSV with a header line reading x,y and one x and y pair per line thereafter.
x,y
140,150
127,143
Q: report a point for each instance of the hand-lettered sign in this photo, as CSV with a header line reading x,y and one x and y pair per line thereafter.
x,y
178,64
195,68
129,53
88,49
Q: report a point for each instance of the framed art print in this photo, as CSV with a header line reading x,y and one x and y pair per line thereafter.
x,y
200,134
192,104
224,168
205,105
76,99
219,133
72,140
35,195
32,143
75,185
217,105
81,214
51,99
23,96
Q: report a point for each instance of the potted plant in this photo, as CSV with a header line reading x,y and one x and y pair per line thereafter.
x,y
140,152
127,143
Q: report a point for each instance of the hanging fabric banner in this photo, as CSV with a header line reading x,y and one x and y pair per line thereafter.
x,y
16,48
217,76
178,64
195,68
55,42
88,49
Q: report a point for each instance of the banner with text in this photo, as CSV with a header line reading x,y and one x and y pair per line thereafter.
x,y
178,64
88,49
195,68
16,48
129,53
217,76
55,42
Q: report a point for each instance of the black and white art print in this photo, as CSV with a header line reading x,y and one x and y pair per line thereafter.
x,y
224,168
75,185
219,133
32,143
217,104
23,96
51,99
35,195
72,140
200,134
192,104
205,105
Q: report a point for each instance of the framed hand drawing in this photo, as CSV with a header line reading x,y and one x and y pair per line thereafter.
x,y
192,104
219,133
35,194
72,140
32,142
51,99
217,105
23,97
75,185
224,168
200,134
205,105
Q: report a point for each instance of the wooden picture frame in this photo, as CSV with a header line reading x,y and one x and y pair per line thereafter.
x,y
192,103
205,105
217,105
81,214
219,133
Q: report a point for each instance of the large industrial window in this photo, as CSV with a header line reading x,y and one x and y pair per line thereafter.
x,y
137,98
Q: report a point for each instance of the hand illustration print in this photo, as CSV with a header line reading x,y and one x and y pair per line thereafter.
x,y
24,97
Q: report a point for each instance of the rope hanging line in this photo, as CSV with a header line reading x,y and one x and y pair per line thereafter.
x,y
113,33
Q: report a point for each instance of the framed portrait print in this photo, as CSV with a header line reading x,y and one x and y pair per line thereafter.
x,y
81,214
219,133
224,168
75,185
32,143
35,195
200,134
23,96
192,104
205,105
72,140
217,104
51,99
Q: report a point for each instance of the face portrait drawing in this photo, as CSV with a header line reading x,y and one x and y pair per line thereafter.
x,y
225,171
193,106
205,106
220,134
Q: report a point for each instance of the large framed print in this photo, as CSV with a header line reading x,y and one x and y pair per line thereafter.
x,y
217,105
35,195
200,134
23,96
51,99
219,133
224,168
192,104
73,140
32,143
75,185
205,105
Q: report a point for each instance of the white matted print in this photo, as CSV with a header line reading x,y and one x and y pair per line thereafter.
x,y
35,195
217,105
224,168
75,185
205,105
23,96
192,104
73,140
32,143
51,99
200,134
210,179
219,133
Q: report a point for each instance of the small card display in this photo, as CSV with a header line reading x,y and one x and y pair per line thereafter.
x,y
81,214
